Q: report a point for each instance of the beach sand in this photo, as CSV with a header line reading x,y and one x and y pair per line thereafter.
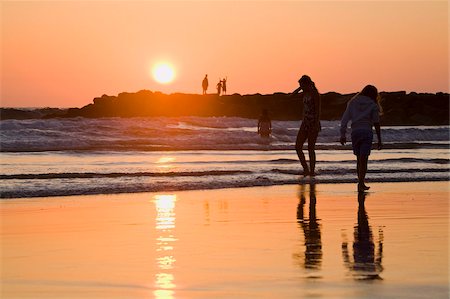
x,y
294,241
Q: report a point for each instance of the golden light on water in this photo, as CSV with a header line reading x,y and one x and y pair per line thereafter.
x,y
165,218
164,162
165,260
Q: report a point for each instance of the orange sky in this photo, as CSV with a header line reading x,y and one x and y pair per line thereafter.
x,y
63,54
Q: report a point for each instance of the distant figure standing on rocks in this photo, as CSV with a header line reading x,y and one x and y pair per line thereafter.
x,y
310,127
219,87
224,86
264,124
363,111
205,84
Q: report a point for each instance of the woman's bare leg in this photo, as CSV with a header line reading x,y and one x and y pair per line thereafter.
x,y
312,138
301,138
361,169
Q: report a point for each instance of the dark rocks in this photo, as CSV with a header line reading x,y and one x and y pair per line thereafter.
x,y
17,113
399,108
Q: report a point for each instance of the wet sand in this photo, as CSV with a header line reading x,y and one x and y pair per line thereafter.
x,y
305,241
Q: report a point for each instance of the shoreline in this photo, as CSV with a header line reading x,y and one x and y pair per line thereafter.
x,y
300,181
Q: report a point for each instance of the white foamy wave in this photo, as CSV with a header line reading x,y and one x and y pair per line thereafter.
x,y
84,186
28,174
184,133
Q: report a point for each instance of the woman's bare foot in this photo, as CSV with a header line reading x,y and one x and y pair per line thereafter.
x,y
362,187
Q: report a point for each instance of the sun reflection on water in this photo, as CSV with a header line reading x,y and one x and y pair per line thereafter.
x,y
164,163
165,260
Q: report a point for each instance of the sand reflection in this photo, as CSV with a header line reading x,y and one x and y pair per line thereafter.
x,y
165,224
312,256
366,263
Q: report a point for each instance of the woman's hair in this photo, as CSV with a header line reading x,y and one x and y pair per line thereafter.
x,y
371,92
264,115
305,79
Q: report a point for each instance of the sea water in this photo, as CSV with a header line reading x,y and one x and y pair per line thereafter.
x,y
75,156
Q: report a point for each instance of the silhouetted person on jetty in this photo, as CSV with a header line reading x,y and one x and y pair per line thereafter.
x,y
310,127
366,264
311,230
363,112
264,124
224,86
205,84
219,87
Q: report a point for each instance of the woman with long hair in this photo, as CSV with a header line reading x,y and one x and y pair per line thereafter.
x,y
364,113
310,127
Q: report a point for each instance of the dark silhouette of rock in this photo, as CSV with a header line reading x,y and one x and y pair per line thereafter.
x,y
18,113
399,108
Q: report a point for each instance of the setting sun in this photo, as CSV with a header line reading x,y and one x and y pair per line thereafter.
x,y
163,73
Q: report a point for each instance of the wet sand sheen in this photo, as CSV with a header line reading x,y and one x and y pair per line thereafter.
x,y
284,241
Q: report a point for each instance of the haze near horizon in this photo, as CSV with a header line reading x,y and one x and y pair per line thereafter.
x,y
63,54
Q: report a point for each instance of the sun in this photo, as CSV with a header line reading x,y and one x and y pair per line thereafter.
x,y
163,72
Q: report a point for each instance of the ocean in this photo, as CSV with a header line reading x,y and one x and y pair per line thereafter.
x,y
59,157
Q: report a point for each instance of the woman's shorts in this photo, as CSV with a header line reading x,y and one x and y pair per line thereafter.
x,y
362,142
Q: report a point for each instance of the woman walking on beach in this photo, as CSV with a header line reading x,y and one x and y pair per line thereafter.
x,y
363,111
310,127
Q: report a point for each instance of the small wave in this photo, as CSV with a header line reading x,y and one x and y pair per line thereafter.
x,y
296,161
86,189
336,172
414,160
89,175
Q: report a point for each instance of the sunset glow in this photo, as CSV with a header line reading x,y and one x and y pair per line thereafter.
x,y
261,46
163,73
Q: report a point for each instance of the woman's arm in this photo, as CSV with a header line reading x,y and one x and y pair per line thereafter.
x,y
378,131
376,124
344,121
319,108
296,91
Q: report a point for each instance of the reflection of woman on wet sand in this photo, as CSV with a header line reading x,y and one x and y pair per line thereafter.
x,y
311,231
366,264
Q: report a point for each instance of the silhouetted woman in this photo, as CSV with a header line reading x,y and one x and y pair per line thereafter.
x,y
205,84
264,124
310,127
224,86
219,87
363,111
